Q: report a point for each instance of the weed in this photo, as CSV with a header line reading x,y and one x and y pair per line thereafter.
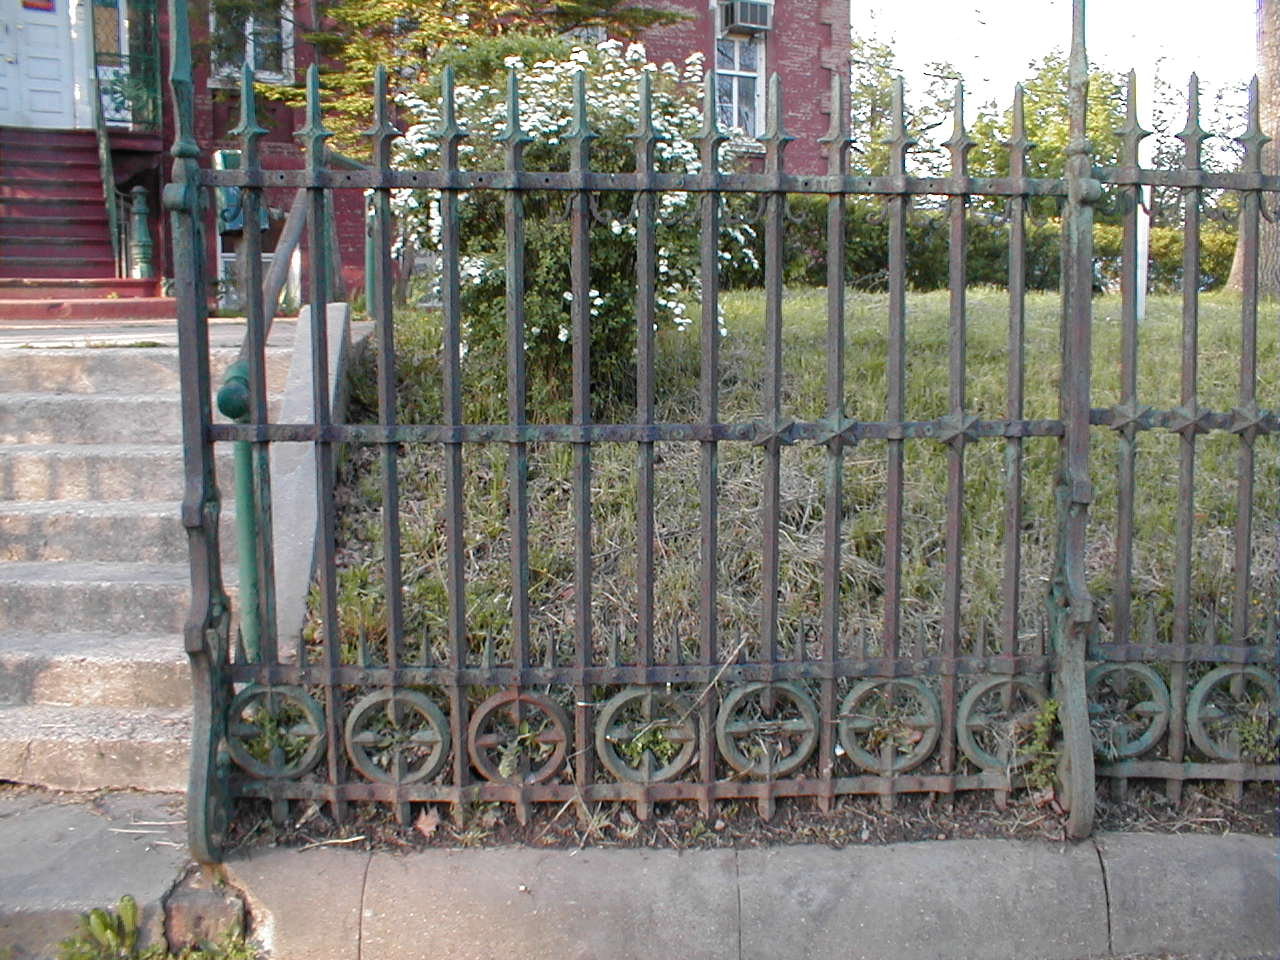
x,y
1255,731
1042,755
107,934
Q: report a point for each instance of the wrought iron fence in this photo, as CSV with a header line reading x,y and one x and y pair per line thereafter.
x,y
816,713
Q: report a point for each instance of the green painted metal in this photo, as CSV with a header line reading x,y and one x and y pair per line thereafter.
x,y
141,249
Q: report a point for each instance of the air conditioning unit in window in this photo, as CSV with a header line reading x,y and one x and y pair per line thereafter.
x,y
746,17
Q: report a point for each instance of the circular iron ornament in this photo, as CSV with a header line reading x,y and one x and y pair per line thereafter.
x,y
397,736
1217,716
275,733
518,737
1128,709
890,726
767,729
646,735
989,730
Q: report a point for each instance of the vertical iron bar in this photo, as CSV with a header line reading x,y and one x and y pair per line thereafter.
x,y
514,139
1192,137
1247,413
1131,136
775,140
838,143
646,272
449,136
896,374
1018,145
579,140
313,136
710,139
958,146
378,286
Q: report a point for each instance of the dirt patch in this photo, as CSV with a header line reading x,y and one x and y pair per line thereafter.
x,y
852,820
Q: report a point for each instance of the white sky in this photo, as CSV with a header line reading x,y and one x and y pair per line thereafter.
x,y
991,41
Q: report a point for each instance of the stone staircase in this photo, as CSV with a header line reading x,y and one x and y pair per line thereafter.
x,y
94,691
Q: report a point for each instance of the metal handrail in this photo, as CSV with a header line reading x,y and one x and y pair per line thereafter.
x,y
106,169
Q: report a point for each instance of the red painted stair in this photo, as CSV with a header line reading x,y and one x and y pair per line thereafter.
x,y
53,220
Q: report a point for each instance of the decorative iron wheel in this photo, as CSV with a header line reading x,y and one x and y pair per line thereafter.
x,y
646,735
994,718
275,733
518,737
1235,725
397,736
890,726
1128,709
767,729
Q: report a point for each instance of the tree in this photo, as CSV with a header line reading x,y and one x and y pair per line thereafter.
x,y
1269,103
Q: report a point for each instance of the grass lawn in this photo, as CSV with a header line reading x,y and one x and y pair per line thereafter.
x,y
801,534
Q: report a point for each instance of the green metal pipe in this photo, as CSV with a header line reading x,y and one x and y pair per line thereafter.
x,y
233,401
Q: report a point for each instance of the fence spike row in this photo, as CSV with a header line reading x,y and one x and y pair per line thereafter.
x,y
1018,143
248,127
1132,133
1253,139
837,136
960,143
383,130
900,141
314,134
1193,135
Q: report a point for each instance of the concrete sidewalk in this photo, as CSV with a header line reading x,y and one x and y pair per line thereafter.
x,y
1120,894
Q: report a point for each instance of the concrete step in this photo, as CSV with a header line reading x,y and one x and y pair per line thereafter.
x,y
118,370
95,670
85,471
116,598
94,748
144,531
79,418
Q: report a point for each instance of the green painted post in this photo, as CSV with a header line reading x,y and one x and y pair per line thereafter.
x,y
141,250
233,401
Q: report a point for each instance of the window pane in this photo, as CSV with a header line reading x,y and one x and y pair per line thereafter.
x,y
268,46
747,104
724,101
724,55
747,56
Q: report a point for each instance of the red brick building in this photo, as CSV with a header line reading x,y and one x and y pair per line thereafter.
x,y
746,41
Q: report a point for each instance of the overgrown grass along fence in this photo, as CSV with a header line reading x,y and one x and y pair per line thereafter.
x,y
614,501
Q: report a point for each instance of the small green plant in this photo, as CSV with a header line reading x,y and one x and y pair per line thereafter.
x,y
1256,732
107,934
1040,751
653,737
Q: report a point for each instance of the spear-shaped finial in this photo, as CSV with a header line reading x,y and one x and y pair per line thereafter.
x,y
710,136
1018,143
837,137
899,141
646,135
1253,139
248,128
180,81
314,134
1193,135
513,134
1132,133
960,142
775,136
450,133
383,130
580,133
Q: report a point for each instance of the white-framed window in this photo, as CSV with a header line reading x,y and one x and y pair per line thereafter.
x,y
268,48
740,84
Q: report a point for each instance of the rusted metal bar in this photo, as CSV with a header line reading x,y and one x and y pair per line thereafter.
x,y
838,143
515,139
313,136
646,140
579,139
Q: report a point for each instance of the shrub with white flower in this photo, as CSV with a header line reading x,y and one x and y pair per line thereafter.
x,y
546,88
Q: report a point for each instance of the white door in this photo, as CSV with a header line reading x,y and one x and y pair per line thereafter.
x,y
37,75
